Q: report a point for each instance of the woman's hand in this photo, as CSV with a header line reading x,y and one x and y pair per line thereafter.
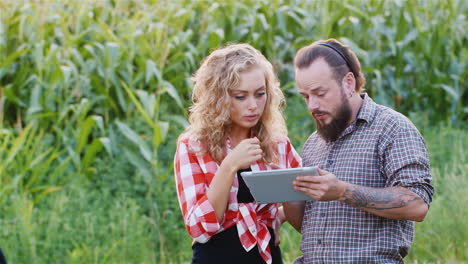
x,y
245,153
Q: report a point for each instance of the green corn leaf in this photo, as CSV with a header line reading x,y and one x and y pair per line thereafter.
x,y
8,61
148,101
90,154
450,90
106,142
46,191
138,105
152,71
82,136
16,146
138,162
172,92
135,138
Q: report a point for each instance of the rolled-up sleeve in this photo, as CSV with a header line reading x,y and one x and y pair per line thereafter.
x,y
198,213
406,162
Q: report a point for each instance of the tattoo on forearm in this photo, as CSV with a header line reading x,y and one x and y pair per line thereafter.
x,y
379,198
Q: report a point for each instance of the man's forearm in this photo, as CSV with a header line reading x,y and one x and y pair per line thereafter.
x,y
392,202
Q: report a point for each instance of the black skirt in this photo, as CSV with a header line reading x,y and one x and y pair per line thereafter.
x,y
226,247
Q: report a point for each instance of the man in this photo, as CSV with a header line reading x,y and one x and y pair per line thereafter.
x,y
374,170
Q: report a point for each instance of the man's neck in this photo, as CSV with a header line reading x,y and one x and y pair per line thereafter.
x,y
356,102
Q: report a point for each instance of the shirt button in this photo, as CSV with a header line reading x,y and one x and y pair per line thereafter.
x,y
330,162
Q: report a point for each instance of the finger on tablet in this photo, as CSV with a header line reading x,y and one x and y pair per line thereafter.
x,y
307,191
321,172
306,185
312,179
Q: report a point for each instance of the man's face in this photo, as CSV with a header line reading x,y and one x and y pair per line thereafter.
x,y
325,99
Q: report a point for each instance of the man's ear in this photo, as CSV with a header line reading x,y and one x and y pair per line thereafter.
x,y
349,83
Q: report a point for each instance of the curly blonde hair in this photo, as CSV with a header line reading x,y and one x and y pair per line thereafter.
x,y
209,119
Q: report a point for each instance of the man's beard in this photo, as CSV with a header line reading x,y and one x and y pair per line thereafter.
x,y
330,132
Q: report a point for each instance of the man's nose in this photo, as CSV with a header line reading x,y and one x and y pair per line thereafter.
x,y
312,104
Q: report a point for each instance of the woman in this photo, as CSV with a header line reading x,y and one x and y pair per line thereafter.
x,y
235,125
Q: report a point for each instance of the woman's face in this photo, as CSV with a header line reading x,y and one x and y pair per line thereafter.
x,y
248,100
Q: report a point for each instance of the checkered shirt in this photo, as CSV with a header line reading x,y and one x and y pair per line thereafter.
x,y
381,148
194,170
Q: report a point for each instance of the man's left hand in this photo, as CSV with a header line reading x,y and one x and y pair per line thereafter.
x,y
326,187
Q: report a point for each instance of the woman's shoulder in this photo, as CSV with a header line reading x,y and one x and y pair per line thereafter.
x,y
282,140
283,144
192,142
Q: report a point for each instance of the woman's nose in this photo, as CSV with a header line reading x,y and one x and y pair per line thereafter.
x,y
252,104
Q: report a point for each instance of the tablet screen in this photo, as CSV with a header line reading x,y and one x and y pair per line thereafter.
x,y
274,186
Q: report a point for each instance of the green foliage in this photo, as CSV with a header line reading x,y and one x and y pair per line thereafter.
x,y
26,164
448,211
93,95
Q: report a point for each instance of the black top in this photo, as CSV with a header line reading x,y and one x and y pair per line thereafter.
x,y
225,247
243,194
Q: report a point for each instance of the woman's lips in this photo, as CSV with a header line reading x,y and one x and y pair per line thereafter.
x,y
251,117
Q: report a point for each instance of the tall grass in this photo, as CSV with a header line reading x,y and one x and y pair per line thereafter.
x,y
94,93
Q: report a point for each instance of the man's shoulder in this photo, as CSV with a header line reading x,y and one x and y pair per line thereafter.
x,y
389,120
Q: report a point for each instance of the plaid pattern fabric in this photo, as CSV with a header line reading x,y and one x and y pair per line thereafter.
x,y
382,148
194,170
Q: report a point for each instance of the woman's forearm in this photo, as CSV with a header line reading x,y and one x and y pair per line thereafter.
x,y
218,191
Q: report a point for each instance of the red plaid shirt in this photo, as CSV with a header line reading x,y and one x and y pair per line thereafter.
x,y
194,170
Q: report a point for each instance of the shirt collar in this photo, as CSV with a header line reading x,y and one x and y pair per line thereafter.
x,y
368,109
366,113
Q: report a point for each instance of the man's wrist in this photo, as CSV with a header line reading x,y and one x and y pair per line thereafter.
x,y
343,187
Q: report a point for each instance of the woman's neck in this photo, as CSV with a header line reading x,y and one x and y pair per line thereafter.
x,y
237,135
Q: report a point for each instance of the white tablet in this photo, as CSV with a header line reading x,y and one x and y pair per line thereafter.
x,y
273,186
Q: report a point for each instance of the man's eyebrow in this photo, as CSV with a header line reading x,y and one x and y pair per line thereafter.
x,y
313,89
316,88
